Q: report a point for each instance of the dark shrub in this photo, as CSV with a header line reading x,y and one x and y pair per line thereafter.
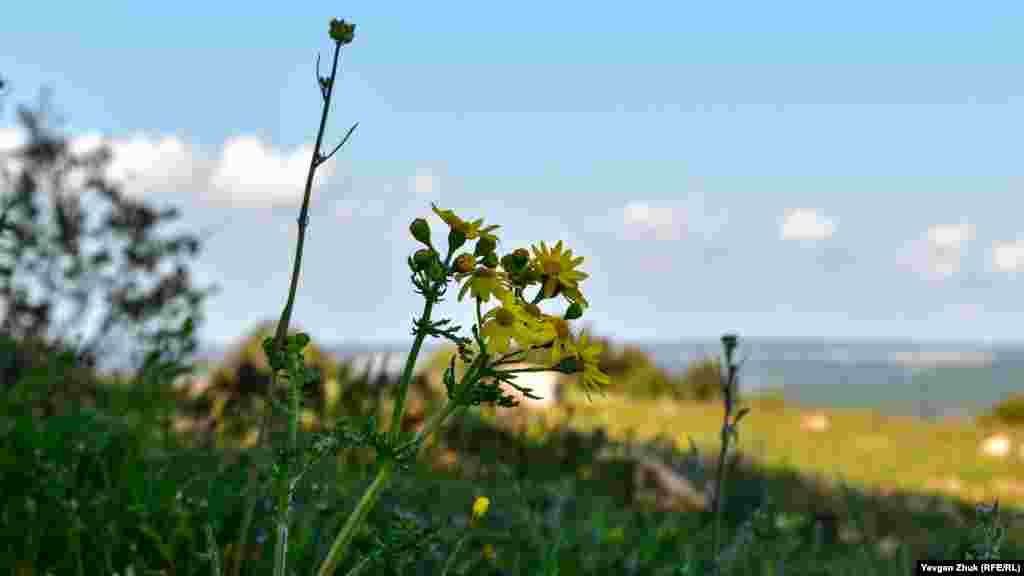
x,y
1009,411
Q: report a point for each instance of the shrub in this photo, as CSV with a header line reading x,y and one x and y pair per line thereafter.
x,y
238,387
46,378
1009,411
703,380
63,257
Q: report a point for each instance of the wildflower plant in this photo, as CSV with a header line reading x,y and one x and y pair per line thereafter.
x,y
502,335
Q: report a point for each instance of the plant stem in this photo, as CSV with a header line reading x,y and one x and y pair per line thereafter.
x,y
341,542
348,531
451,559
720,486
410,364
284,495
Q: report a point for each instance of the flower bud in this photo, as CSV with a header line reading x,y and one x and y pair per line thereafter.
x,y
456,238
420,230
485,245
423,258
464,264
491,260
436,272
729,342
575,311
516,261
342,32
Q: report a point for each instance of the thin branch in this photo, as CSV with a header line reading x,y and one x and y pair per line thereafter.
x,y
323,159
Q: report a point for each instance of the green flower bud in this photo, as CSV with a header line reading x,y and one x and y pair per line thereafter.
x,y
456,238
342,32
485,245
436,271
729,341
423,258
420,230
491,260
516,261
575,311
464,264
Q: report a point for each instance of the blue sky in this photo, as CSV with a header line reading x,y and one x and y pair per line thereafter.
x,y
775,169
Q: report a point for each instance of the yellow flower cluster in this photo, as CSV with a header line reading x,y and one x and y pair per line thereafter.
x,y
515,319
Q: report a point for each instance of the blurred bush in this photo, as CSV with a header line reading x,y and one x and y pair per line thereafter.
x,y
44,378
1009,411
235,395
631,371
236,390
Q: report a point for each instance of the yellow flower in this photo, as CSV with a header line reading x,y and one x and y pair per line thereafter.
x,y
480,506
556,331
489,552
556,267
470,229
505,323
482,283
588,354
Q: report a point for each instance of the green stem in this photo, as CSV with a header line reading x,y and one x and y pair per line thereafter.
x,y
720,487
344,538
280,562
434,424
451,559
348,531
410,365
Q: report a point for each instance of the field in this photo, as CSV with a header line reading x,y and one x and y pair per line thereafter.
x,y
561,501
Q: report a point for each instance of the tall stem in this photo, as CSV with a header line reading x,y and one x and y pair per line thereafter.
x,y
410,365
337,552
283,489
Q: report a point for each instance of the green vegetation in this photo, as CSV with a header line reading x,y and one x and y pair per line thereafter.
x,y
1008,412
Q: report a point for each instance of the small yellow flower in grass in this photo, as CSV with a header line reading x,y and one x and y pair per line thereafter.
x,y
588,354
480,506
470,229
505,323
489,553
556,267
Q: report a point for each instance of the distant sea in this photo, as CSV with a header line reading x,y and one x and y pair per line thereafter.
x,y
927,380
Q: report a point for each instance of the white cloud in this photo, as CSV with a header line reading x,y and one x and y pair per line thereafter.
x,y
662,222
1008,256
950,237
141,164
939,255
146,165
804,224
251,173
248,172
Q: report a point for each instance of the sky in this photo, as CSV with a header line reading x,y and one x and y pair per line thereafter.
x,y
783,169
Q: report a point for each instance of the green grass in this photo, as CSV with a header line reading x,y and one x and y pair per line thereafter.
x,y
126,480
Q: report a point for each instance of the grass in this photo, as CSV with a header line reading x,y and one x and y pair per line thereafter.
x,y
124,495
